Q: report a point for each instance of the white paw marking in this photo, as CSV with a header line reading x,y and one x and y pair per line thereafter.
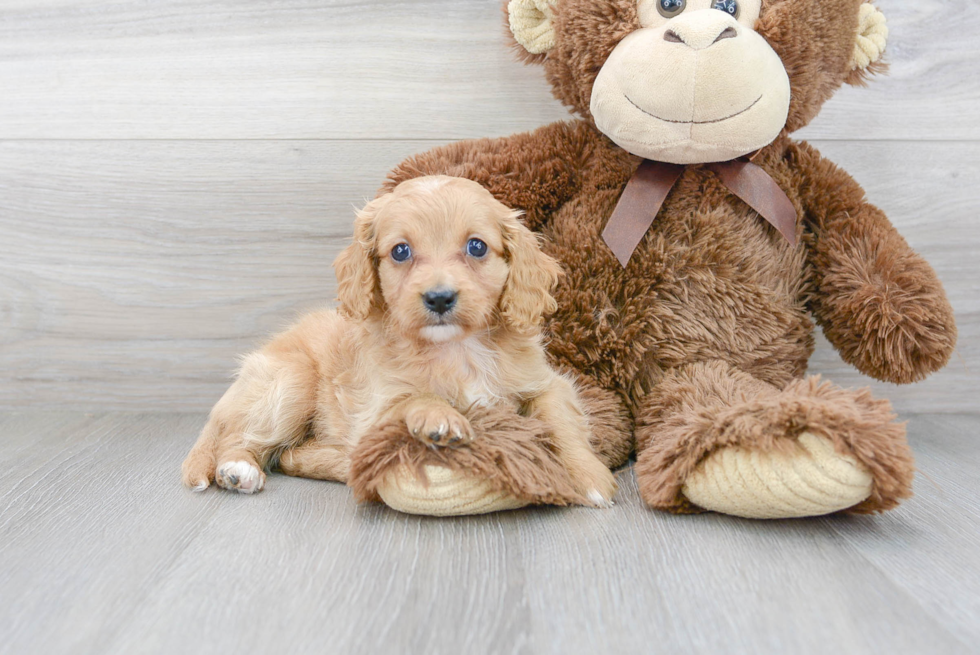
x,y
599,500
201,486
241,476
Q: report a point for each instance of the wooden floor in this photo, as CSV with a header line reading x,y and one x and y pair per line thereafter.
x,y
102,551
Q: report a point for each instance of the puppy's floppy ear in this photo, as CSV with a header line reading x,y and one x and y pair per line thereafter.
x,y
358,288
527,297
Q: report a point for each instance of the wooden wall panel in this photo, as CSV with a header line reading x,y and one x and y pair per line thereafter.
x,y
132,272
176,176
381,69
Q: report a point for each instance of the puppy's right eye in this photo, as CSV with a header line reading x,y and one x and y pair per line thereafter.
x,y
476,248
402,252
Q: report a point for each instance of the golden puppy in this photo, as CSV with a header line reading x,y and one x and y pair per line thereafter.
x,y
441,297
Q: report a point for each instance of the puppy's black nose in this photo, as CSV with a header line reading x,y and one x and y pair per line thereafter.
x,y
439,301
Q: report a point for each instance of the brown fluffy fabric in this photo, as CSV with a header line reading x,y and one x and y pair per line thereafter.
x,y
517,458
586,34
815,40
701,408
711,281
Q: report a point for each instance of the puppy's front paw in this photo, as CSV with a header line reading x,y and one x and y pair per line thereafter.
x,y
439,425
240,476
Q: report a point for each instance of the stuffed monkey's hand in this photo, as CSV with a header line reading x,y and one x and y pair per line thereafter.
x,y
879,303
884,309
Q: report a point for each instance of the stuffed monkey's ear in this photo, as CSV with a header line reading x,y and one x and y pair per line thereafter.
x,y
530,23
872,38
358,288
526,299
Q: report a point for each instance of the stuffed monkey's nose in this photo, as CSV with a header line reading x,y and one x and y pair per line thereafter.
x,y
701,32
439,301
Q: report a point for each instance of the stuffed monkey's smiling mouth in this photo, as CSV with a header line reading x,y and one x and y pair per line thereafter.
x,y
717,120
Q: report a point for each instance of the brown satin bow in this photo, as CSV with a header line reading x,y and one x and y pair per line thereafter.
x,y
648,188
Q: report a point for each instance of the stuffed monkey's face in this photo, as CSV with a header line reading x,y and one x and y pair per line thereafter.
x,y
695,84
697,81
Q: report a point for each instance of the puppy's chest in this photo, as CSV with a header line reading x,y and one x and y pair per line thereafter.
x,y
467,374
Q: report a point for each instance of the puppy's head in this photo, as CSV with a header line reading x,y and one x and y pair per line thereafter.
x,y
443,259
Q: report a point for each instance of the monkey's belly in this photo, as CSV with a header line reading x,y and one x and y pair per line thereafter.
x,y
694,291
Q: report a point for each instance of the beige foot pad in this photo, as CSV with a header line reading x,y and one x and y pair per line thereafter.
x,y
758,485
872,37
530,21
448,494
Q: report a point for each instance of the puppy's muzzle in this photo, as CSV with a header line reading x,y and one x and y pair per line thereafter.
x,y
439,301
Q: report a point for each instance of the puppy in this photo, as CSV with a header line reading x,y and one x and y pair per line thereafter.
x,y
442,294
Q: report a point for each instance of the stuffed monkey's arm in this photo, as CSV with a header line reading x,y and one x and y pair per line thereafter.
x,y
536,172
879,303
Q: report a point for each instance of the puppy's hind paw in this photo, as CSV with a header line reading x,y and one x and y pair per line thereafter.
x,y
240,476
594,481
598,500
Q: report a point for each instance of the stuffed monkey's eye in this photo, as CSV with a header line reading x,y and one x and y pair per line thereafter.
x,y
670,8
730,7
402,252
476,248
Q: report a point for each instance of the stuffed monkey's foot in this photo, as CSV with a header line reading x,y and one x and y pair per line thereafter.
x,y
513,463
449,493
711,437
754,484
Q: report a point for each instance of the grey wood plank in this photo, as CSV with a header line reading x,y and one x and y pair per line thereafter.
x,y
930,548
264,69
382,69
363,580
106,553
132,274
34,437
715,584
86,527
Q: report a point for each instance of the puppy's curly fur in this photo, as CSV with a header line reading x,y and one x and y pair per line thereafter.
x,y
388,355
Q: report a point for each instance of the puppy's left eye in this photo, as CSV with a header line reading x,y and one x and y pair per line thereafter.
x,y
476,248
402,252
